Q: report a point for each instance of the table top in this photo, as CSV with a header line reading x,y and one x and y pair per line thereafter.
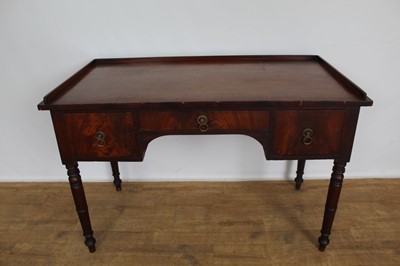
x,y
214,81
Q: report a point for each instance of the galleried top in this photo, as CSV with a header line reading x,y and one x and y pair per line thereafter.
x,y
209,82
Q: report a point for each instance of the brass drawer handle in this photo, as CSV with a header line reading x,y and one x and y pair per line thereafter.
x,y
100,139
307,136
202,121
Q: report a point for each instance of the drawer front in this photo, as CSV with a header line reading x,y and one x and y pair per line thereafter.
x,y
307,132
202,122
99,135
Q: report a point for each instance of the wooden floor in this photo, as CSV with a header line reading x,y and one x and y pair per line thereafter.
x,y
243,223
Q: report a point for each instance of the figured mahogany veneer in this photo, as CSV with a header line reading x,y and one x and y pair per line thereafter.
x,y
218,121
76,133
296,107
289,126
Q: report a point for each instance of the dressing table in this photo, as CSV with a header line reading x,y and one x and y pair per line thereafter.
x,y
296,107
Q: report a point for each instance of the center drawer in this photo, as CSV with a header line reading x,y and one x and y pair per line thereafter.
x,y
203,122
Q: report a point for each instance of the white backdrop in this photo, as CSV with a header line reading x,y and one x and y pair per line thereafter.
x,y
43,42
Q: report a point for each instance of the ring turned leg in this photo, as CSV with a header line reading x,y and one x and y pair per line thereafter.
x,y
335,186
117,180
300,171
78,193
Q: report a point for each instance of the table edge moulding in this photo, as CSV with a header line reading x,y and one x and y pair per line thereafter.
x,y
298,107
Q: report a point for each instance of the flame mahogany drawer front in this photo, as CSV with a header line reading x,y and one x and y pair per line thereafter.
x,y
208,121
310,132
296,107
96,135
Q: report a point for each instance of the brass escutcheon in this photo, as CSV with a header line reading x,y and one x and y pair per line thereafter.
x,y
307,136
100,136
202,121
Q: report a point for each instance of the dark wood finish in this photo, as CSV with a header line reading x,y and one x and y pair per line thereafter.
x,y
217,121
299,173
78,194
296,107
258,81
115,171
289,127
348,133
335,186
76,134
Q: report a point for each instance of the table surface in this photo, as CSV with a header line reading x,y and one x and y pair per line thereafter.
x,y
218,80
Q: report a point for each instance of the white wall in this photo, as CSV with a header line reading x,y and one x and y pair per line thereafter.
x,y
43,42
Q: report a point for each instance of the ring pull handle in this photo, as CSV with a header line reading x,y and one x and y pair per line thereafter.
x,y
307,136
100,139
202,120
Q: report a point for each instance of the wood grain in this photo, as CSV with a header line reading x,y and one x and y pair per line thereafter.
x,y
186,82
216,121
77,133
289,126
112,109
241,223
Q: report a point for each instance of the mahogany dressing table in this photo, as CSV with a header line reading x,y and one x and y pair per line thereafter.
x,y
296,107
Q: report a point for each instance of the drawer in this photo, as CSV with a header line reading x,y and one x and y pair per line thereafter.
x,y
202,122
307,132
97,135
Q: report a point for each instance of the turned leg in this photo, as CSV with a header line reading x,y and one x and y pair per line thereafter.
x,y
300,171
117,180
78,193
335,186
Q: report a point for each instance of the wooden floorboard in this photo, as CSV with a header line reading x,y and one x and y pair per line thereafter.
x,y
201,223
